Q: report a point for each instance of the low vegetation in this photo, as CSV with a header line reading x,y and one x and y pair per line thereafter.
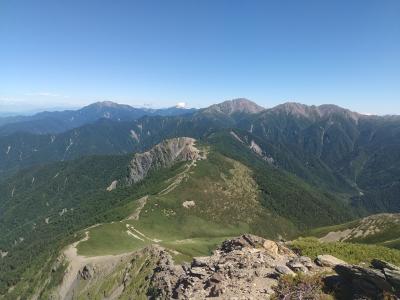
x,y
349,252
300,287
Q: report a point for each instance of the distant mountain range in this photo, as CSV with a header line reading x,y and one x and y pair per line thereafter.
x,y
60,121
328,146
195,177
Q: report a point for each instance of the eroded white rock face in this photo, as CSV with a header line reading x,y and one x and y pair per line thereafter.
x,y
162,155
236,137
256,148
112,186
3,253
134,136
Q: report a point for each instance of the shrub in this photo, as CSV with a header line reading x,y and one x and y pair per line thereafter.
x,y
306,287
350,252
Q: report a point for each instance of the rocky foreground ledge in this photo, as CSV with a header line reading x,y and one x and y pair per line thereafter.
x,y
247,267
250,267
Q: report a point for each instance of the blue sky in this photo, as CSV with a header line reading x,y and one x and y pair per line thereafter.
x,y
158,53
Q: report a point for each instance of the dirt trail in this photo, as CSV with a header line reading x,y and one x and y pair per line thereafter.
x,y
178,179
184,174
77,262
141,203
174,184
132,228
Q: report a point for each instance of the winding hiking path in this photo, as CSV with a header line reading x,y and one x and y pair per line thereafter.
x,y
77,262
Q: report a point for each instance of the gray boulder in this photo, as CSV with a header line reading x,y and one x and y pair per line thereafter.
x,y
392,272
327,260
296,265
86,273
365,281
284,270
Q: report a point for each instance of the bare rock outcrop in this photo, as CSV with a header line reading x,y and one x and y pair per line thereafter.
x,y
162,155
164,277
247,267
392,272
375,282
250,267
87,272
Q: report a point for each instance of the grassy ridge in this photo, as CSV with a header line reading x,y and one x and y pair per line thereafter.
x,y
381,229
226,203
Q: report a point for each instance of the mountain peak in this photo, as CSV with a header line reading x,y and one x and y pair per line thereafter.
x,y
105,104
181,105
329,109
293,108
240,105
163,154
312,112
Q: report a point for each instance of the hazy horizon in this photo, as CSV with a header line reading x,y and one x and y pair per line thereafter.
x,y
72,53
27,112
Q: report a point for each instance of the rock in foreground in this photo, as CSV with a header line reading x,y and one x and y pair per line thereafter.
x,y
247,267
376,282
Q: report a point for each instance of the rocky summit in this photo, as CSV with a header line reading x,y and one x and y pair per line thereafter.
x,y
247,267
162,155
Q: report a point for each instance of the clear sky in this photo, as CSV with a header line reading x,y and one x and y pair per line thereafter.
x,y
73,52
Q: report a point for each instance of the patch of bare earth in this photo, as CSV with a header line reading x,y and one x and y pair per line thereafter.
x,y
141,203
77,262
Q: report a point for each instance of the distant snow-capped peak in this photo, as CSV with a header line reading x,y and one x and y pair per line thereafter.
x,y
181,105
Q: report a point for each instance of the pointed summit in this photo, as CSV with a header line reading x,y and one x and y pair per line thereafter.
x,y
240,105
